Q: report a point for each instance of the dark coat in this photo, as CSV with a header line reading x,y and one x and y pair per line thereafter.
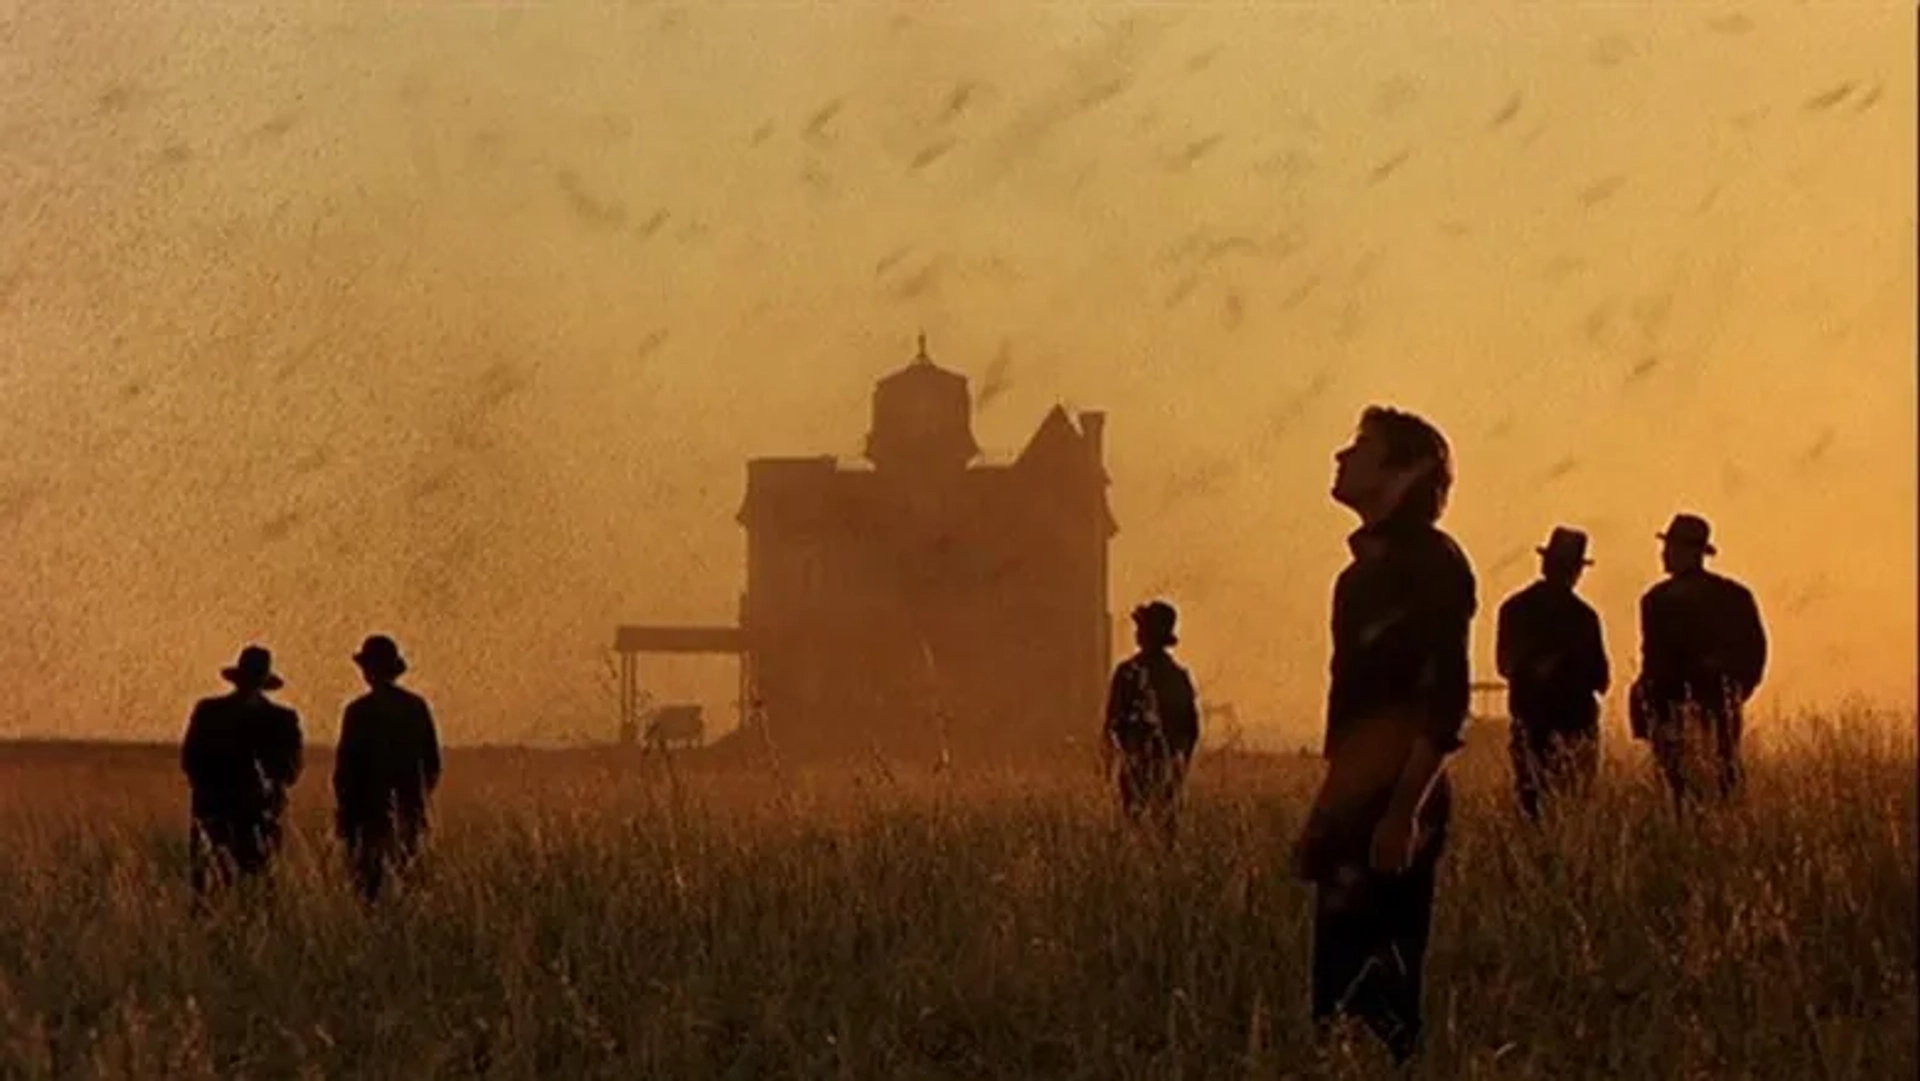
x,y
1551,653
1402,613
1701,640
388,762
1149,685
240,756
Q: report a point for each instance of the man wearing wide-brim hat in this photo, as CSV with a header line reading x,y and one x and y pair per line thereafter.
x,y
241,753
1549,648
385,770
1703,651
1153,720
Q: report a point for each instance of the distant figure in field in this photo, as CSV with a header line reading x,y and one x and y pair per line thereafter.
x,y
387,766
1399,695
241,753
1703,651
1153,720
1550,651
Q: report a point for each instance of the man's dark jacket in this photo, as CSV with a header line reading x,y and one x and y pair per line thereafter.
x,y
1402,614
240,755
388,762
1701,640
1553,658
1148,684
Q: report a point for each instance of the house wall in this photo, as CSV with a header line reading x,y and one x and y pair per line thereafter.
x,y
881,608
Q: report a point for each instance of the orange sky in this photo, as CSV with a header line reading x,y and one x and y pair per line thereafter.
x,y
459,321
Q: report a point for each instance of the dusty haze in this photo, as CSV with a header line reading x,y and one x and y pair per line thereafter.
x,y
459,321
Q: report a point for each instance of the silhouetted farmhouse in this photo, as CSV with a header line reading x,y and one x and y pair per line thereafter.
x,y
921,599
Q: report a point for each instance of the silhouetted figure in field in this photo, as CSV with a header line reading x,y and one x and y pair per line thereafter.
x,y
1398,698
1550,650
1703,650
1153,720
386,768
241,753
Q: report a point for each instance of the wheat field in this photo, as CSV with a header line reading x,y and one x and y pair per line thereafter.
x,y
595,914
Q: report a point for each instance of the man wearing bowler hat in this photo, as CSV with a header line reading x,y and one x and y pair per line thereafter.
x,y
387,766
1703,651
241,753
1549,648
1153,719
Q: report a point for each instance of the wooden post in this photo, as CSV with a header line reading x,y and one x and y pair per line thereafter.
x,y
629,695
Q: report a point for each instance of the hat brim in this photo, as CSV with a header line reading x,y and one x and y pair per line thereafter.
x,y
267,682
1545,551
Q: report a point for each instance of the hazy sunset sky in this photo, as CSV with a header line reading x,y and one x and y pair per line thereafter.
x,y
459,321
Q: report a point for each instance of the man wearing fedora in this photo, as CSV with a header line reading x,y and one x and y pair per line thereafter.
x,y
241,753
1397,699
386,768
1153,719
1549,648
1703,651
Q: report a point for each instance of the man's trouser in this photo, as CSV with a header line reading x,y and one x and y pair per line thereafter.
x,y
378,849
1698,749
223,846
1150,777
1370,935
1550,757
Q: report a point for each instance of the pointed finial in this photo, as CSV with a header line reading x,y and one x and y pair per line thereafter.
x,y
922,354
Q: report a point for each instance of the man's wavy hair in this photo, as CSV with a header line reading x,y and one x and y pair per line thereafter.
x,y
1410,440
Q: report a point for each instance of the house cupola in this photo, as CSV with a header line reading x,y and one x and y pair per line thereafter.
x,y
922,419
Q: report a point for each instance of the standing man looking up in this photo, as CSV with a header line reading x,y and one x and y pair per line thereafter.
x,y
1398,697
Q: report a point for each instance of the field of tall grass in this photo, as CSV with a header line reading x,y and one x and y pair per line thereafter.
x,y
587,916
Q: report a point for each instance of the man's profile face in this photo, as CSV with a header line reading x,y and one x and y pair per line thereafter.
x,y
1362,478
1360,469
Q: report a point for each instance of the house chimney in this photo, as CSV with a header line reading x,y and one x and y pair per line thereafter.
x,y
1094,424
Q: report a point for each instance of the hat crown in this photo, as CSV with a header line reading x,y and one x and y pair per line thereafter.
x,y
1689,528
380,656
379,645
1564,538
1158,613
253,668
1564,545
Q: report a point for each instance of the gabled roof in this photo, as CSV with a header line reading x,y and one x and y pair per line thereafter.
x,y
822,485
1056,438
1059,443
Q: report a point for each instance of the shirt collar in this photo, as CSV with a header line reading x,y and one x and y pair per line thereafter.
x,y
1374,538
